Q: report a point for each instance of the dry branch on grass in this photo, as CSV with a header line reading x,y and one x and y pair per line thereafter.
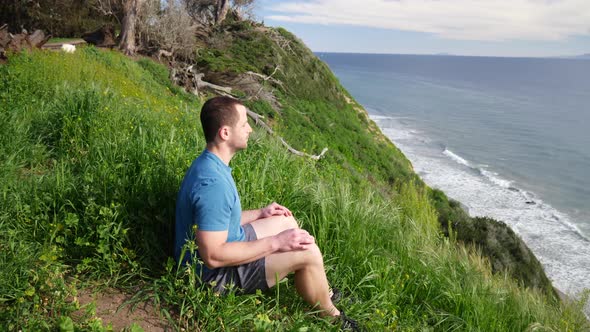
x,y
267,78
192,81
282,42
258,119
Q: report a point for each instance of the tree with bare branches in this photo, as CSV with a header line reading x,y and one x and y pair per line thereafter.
x,y
167,29
215,11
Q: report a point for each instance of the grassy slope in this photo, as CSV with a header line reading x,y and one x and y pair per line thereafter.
x,y
93,147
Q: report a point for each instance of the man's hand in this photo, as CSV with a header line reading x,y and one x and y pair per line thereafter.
x,y
293,239
275,209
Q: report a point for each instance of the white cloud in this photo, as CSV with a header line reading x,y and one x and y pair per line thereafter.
x,y
496,20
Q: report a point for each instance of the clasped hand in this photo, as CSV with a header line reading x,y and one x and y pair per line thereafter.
x,y
275,209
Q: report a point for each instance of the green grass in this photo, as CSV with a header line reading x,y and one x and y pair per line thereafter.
x,y
93,147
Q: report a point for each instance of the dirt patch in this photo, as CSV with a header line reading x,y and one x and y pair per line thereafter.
x,y
112,308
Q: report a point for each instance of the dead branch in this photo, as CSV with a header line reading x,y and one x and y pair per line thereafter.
x,y
282,42
203,84
267,78
258,119
192,81
109,8
163,53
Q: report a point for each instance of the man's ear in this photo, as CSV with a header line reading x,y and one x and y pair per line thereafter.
x,y
223,133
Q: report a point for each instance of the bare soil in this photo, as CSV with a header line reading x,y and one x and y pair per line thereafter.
x,y
112,308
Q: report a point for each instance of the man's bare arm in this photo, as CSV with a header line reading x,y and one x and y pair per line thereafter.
x,y
250,215
216,252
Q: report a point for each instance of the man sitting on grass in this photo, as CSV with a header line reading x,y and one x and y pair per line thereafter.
x,y
248,249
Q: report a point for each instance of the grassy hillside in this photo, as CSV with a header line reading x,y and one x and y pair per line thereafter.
x,y
93,147
315,111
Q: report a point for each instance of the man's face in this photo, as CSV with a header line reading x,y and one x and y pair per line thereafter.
x,y
241,130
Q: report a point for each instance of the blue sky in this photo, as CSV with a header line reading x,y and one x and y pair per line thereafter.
x,y
462,27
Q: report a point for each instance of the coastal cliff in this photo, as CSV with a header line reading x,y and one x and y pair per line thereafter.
x,y
94,147
312,110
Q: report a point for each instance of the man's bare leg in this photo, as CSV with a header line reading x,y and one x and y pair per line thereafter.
x,y
273,225
310,276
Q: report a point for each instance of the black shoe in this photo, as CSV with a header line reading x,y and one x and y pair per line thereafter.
x,y
349,324
336,295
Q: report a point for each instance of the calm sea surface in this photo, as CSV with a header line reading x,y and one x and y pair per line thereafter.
x,y
507,137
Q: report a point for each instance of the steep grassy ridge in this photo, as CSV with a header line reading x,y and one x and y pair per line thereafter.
x,y
93,147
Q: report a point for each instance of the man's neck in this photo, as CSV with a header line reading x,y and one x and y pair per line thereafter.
x,y
224,153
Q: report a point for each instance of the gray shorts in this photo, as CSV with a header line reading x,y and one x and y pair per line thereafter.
x,y
247,278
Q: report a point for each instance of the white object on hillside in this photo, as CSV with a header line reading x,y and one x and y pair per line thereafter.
x,y
68,48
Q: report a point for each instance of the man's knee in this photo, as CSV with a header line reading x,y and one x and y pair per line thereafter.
x,y
291,222
314,255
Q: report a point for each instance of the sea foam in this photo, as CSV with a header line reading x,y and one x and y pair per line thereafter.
x,y
559,245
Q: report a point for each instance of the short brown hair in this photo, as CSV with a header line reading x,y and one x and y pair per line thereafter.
x,y
218,112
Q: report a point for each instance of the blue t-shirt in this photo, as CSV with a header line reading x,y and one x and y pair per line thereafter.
x,y
208,198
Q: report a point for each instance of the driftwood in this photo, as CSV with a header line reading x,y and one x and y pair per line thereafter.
x,y
258,119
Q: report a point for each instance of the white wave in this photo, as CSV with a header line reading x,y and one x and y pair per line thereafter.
x,y
456,158
496,179
375,117
559,245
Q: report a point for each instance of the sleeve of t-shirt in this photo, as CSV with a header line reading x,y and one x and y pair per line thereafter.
x,y
211,202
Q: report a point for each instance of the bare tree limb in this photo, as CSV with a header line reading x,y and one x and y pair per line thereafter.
x,y
203,84
258,119
221,11
282,42
267,78
109,8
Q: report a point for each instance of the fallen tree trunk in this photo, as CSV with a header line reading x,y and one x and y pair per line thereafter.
x,y
37,39
4,36
18,42
202,84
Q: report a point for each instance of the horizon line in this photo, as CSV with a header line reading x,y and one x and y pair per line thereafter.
x,y
585,56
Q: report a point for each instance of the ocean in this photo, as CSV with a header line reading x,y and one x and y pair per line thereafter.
x,y
507,137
